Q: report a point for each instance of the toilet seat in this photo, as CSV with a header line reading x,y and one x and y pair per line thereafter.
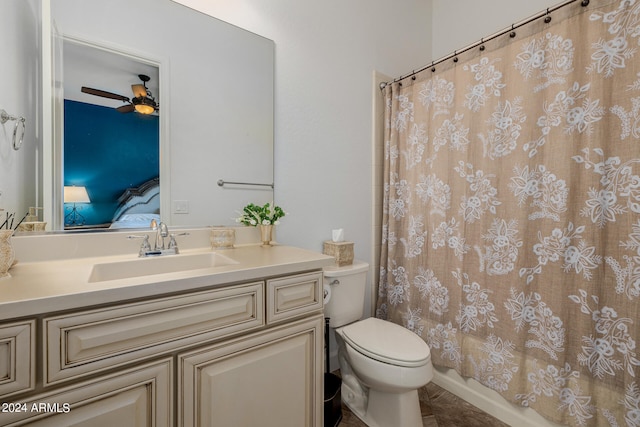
x,y
386,342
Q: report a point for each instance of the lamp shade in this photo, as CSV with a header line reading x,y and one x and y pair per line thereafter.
x,y
144,109
144,105
74,194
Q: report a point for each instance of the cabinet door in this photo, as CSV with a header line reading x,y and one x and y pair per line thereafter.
x,y
17,358
139,397
268,379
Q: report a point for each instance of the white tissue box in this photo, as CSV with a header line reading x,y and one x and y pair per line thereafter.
x,y
341,251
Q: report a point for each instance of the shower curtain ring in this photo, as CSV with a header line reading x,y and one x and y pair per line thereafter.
x,y
455,57
513,33
547,18
482,44
433,69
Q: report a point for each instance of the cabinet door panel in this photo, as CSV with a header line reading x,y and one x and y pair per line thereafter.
x,y
268,379
87,342
138,397
17,358
125,409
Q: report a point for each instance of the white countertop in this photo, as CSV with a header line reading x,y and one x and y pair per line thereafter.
x,y
47,286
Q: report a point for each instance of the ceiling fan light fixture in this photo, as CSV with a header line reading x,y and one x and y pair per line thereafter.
x,y
144,105
143,101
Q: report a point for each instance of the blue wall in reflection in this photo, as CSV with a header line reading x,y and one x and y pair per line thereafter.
x,y
107,152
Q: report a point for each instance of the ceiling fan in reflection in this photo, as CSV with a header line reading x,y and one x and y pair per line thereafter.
x,y
143,101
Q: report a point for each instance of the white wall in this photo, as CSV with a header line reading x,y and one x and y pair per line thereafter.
x,y
325,56
19,54
457,24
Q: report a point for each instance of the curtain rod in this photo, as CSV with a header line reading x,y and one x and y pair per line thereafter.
x,y
483,40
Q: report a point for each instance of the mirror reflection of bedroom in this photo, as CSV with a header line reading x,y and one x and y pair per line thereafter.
x,y
111,139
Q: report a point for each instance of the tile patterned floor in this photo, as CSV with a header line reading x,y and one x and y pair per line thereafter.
x,y
440,408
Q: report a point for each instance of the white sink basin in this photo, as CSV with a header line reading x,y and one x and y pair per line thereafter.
x,y
157,265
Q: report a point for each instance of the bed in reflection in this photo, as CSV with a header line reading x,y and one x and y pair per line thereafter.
x,y
138,206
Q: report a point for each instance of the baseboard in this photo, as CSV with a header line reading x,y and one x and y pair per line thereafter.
x,y
479,396
488,400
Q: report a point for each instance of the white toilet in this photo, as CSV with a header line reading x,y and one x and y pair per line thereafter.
x,y
382,364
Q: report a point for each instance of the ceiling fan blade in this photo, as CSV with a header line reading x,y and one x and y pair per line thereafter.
x,y
104,94
126,108
139,90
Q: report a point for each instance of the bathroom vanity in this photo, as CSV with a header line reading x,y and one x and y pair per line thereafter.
x,y
202,338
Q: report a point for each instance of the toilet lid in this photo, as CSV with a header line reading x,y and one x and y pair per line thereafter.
x,y
387,342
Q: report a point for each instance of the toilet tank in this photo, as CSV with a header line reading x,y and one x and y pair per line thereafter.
x,y
346,287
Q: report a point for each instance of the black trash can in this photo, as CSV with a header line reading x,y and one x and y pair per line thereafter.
x,y
332,385
332,400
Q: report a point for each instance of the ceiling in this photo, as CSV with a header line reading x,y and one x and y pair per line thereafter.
x,y
105,70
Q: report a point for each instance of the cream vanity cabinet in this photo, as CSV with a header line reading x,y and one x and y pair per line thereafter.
x,y
244,354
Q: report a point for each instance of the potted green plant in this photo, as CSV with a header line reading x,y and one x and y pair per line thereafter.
x,y
264,217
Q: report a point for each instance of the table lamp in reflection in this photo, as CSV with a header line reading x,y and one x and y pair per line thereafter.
x,y
75,194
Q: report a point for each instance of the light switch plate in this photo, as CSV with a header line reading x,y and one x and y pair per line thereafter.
x,y
180,206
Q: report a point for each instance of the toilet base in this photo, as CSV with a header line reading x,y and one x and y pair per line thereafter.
x,y
386,409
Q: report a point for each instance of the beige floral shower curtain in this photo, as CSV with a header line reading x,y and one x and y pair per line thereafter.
x,y
511,230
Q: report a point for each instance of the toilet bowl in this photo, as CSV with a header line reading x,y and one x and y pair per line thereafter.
x,y
390,363
382,364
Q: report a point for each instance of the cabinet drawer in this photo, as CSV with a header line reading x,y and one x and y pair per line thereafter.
x,y
292,296
17,357
91,341
142,396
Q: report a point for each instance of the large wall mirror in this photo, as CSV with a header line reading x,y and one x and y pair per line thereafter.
x,y
213,83
110,138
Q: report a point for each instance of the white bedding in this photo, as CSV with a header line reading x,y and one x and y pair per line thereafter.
x,y
136,220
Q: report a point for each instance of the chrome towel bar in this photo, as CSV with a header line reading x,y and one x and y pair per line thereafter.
x,y
221,183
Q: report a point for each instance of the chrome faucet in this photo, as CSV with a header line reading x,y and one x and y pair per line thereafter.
x,y
145,248
162,232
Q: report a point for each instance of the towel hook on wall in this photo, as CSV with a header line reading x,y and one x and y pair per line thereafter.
x,y
20,122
